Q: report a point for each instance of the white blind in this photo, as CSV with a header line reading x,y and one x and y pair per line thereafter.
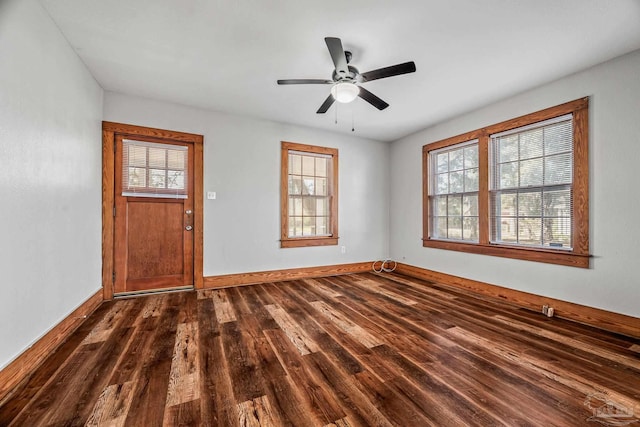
x,y
531,179
151,169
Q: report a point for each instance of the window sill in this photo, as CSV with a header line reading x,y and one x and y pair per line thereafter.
x,y
564,257
303,242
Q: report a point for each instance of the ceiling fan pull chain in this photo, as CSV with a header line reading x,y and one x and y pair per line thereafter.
x,y
336,111
353,126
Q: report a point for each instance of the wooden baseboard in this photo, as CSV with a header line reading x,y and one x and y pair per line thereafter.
x,y
228,280
607,320
27,362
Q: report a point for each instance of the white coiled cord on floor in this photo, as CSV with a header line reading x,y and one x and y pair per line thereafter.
x,y
383,264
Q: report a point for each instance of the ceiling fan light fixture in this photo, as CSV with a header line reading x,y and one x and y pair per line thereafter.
x,y
345,92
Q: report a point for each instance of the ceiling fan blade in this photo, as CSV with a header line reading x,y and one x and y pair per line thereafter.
x,y
394,70
326,104
337,55
372,99
305,82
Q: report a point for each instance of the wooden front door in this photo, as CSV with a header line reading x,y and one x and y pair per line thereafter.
x,y
153,236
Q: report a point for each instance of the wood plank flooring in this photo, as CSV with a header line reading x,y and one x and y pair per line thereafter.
x,y
354,350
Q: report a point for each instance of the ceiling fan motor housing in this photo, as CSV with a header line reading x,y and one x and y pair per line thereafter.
x,y
351,75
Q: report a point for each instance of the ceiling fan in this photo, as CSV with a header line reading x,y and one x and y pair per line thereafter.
x,y
346,79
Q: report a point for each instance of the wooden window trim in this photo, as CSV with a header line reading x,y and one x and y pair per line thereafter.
x,y
297,242
579,256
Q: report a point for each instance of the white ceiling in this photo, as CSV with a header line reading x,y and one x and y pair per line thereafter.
x,y
226,55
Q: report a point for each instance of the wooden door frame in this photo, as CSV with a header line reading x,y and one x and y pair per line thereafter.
x,y
109,132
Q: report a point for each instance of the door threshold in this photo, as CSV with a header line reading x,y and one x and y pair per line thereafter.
x,y
152,292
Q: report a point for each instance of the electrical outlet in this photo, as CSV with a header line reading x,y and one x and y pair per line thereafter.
x,y
211,195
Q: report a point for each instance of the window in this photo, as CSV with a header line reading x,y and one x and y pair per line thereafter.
x,y
516,189
309,195
530,189
151,169
454,196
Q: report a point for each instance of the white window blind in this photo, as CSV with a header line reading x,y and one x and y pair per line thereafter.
x,y
531,180
152,169
453,192
309,192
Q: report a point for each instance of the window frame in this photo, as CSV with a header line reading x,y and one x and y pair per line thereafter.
x,y
579,255
305,241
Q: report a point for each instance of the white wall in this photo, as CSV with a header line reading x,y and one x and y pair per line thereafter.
x,y
242,165
613,282
50,177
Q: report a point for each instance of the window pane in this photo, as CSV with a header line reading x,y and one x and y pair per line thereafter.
x,y
440,206
295,164
470,228
456,182
295,185
137,177
508,148
308,226
531,172
470,205
508,173
322,207
471,180
530,231
176,159
321,186
137,156
508,205
297,202
471,157
508,229
530,204
454,229
297,222
175,180
454,206
157,178
558,138
308,185
292,206
442,183
308,206
531,144
442,160
456,160
321,166
308,165
321,225
557,169
557,203
440,227
557,232
157,157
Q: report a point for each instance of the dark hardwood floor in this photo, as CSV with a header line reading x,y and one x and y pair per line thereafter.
x,y
355,350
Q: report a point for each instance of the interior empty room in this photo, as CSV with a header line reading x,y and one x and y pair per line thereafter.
x,y
418,213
